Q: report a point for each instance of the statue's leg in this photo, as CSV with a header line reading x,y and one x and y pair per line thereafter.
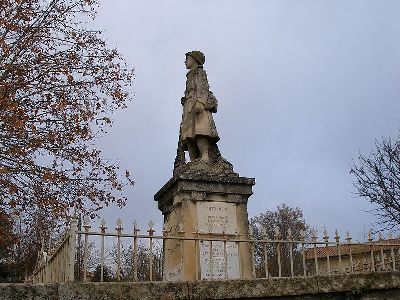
x,y
204,146
193,150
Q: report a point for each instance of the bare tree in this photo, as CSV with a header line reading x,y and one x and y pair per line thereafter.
x,y
267,225
377,178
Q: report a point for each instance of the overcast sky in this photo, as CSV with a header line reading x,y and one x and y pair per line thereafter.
x,y
303,88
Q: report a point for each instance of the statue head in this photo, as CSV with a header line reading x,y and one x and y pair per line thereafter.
x,y
198,56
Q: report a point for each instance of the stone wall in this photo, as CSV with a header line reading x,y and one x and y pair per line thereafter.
x,y
355,286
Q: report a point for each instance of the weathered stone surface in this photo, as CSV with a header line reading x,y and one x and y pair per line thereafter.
x,y
187,202
14,291
123,291
257,288
359,282
356,286
236,189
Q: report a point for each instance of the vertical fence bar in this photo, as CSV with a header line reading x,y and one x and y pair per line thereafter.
x,y
196,252
102,231
303,252
348,239
119,230
237,234
151,232
181,233
278,249
393,259
326,240
252,244
225,252
72,247
290,239
314,239
211,261
337,239
225,261
264,236
383,259
135,251
372,251
86,227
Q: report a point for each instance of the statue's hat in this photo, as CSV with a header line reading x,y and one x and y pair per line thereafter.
x,y
198,56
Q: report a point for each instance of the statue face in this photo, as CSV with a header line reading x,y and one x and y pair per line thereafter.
x,y
190,63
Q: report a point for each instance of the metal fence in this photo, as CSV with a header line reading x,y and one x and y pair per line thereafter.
x,y
136,257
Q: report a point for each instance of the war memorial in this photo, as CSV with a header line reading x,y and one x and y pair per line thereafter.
x,y
208,247
204,196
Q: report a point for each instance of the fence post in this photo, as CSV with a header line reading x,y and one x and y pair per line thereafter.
x,y
348,239
119,230
337,239
314,239
251,236
372,251
302,239
103,227
326,240
135,250
151,233
278,249
71,248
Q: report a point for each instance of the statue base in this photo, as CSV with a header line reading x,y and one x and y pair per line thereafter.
x,y
200,204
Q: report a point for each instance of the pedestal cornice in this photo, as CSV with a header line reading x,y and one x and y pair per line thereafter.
x,y
205,184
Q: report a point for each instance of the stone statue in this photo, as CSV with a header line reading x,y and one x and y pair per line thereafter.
x,y
198,130
198,133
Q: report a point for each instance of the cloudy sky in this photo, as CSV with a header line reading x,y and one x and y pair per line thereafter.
x,y
303,86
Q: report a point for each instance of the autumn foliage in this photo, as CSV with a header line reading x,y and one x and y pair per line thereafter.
x,y
59,83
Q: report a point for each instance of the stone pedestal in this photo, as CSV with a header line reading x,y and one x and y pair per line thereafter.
x,y
210,206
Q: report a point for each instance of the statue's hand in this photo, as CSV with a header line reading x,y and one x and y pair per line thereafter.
x,y
199,108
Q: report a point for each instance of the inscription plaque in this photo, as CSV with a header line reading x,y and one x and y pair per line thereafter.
x,y
217,260
216,217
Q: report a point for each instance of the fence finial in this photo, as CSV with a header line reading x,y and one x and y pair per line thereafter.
x,y
326,237
314,235
237,232
337,237
251,230
135,227
264,232
103,225
348,237
277,233
181,229
119,226
370,239
74,210
302,235
289,234
151,230
86,223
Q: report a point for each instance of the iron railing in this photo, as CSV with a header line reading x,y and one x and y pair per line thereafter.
x,y
271,257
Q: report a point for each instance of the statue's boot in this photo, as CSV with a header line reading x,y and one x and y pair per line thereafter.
x,y
193,151
204,146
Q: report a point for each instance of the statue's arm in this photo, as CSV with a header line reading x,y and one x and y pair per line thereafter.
x,y
206,98
202,89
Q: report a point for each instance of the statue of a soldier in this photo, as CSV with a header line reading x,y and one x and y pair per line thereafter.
x,y
198,134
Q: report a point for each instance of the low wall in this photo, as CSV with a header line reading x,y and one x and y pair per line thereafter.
x,y
354,286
